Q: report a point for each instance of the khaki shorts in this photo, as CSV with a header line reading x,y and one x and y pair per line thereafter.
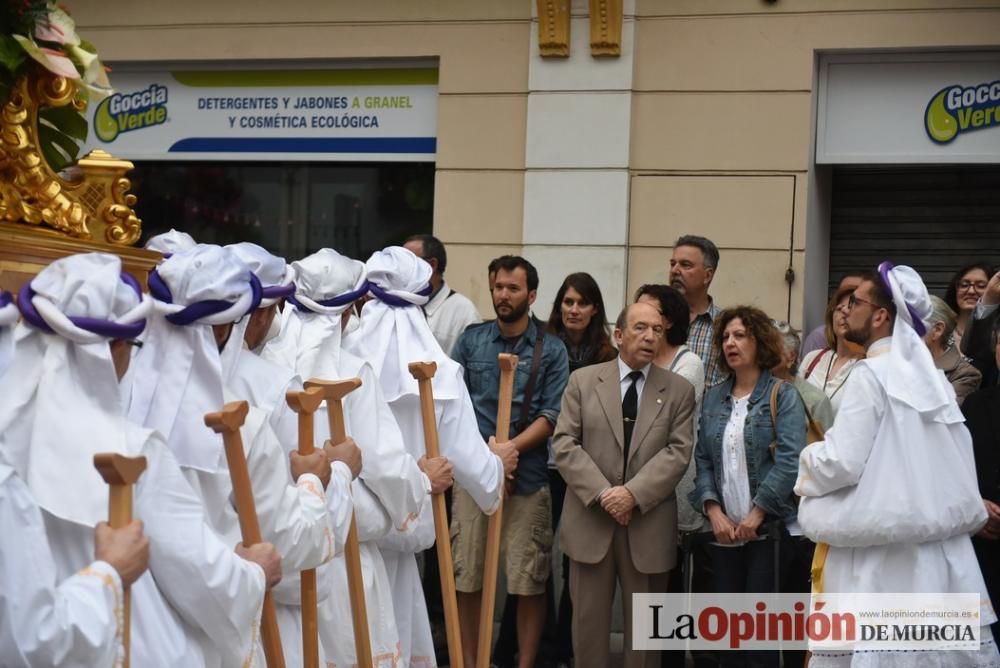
x,y
525,542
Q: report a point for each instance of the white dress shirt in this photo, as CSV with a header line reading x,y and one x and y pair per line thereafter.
x,y
624,381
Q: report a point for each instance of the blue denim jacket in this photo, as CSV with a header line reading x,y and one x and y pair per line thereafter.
x,y
476,350
772,477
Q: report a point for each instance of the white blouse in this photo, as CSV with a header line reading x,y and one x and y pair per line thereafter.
x,y
735,480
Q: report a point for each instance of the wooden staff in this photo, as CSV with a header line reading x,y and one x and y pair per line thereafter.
x,y
228,422
508,364
121,472
424,372
306,403
334,392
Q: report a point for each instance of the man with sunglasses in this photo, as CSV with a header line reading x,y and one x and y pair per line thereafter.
x,y
891,490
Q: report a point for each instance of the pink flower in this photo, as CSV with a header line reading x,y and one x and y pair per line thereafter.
x,y
52,60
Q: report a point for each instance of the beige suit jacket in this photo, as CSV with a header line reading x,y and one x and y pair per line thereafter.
x,y
589,452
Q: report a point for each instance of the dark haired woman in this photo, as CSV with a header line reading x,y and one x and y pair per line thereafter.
x,y
579,319
964,289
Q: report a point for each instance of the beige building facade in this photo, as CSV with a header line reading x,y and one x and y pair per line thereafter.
x,y
706,123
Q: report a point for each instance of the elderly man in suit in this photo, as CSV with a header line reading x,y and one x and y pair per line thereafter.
x,y
622,442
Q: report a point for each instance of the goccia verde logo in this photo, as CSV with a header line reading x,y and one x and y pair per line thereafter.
x,y
124,112
957,109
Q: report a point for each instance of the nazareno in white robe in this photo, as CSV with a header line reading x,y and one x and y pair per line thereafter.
x,y
199,602
391,490
43,620
179,376
882,542
293,518
263,384
390,338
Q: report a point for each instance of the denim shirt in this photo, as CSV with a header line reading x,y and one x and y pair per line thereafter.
x,y
476,350
772,477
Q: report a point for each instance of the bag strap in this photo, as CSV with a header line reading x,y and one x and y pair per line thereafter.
x,y
815,361
678,357
529,389
774,417
774,405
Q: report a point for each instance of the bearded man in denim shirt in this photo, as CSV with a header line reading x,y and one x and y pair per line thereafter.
x,y
526,539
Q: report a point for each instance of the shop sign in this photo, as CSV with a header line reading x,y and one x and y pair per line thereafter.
x,y
908,108
307,114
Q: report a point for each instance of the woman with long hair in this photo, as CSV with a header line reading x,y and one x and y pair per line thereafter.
x,y
579,319
964,289
829,368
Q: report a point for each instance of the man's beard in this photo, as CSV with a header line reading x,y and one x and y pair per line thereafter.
x,y
678,285
516,313
860,336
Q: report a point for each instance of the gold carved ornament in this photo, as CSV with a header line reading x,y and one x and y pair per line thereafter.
x,y
90,201
553,28
606,27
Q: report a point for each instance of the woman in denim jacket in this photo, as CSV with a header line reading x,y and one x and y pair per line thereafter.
x,y
746,468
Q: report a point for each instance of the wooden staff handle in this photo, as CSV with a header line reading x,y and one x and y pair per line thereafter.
x,y
121,472
228,422
491,568
334,393
305,404
424,372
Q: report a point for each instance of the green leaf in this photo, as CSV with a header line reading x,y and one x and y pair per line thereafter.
x,y
11,54
66,119
60,150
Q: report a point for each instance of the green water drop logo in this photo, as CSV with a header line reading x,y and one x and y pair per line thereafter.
x,y
104,124
941,126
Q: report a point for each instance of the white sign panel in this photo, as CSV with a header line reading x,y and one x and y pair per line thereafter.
x,y
909,108
306,114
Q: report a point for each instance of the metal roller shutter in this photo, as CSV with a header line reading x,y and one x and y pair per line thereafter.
x,y
933,218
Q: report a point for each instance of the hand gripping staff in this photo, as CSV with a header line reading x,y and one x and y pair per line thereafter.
x,y
228,422
305,404
120,473
424,372
334,392
508,365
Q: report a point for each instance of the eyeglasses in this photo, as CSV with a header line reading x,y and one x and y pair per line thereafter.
x,y
852,301
978,286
